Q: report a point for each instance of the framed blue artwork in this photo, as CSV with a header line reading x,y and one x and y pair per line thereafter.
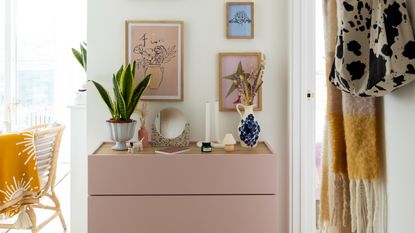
x,y
240,20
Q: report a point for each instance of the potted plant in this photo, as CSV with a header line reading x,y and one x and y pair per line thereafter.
x,y
126,98
81,56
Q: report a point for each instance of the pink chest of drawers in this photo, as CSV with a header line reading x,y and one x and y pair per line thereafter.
x,y
185,193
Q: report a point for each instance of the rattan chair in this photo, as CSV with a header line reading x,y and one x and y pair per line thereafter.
x,y
47,141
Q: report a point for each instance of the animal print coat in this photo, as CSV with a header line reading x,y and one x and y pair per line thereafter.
x,y
375,51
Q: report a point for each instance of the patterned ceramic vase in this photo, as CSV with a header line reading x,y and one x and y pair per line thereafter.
x,y
248,128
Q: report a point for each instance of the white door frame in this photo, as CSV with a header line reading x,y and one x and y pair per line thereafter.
x,y
302,123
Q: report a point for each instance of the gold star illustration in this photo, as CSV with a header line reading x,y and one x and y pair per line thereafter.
x,y
239,72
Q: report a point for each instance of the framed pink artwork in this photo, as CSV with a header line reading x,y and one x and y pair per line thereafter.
x,y
228,65
157,49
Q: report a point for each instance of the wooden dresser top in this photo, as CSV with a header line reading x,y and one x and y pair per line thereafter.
x,y
261,149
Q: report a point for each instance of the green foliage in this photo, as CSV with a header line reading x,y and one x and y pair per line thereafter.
x,y
81,55
126,97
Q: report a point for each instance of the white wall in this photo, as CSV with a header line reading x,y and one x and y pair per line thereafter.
x,y
400,153
204,38
400,158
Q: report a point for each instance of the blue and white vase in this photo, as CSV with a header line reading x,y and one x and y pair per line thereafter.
x,y
248,128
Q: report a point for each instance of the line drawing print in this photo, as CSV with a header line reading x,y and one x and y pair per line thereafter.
x,y
153,54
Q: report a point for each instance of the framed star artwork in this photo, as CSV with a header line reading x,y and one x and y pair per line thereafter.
x,y
240,20
231,64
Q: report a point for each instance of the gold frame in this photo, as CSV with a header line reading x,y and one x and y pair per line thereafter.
x,y
181,23
259,56
229,4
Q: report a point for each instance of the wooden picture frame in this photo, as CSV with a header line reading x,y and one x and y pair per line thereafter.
x,y
240,21
157,47
227,67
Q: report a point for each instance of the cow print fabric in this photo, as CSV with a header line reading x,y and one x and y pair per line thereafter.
x,y
375,51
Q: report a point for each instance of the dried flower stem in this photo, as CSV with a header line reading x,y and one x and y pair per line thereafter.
x,y
248,84
143,111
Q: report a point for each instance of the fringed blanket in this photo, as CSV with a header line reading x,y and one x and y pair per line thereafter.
x,y
19,178
353,197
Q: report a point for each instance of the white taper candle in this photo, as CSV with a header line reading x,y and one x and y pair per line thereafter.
x,y
207,118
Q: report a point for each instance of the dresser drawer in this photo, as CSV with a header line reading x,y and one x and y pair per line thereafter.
x,y
181,174
182,214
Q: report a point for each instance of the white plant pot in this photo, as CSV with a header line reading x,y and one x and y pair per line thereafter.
x,y
80,98
121,133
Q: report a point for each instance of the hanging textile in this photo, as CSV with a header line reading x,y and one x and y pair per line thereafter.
x,y
19,177
334,199
375,50
352,192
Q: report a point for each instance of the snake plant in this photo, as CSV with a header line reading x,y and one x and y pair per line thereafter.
x,y
81,55
126,97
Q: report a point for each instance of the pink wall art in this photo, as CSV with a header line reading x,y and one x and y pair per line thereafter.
x,y
157,49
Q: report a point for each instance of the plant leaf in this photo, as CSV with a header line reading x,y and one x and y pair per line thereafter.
x,y
138,92
78,56
116,115
119,73
120,103
105,96
123,74
126,84
84,57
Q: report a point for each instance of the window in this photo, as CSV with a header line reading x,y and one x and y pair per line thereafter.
x,y
38,75
35,62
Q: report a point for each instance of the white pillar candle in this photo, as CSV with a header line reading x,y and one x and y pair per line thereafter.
x,y
216,109
207,119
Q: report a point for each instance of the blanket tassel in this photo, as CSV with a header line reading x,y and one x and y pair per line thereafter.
x,y
368,206
23,220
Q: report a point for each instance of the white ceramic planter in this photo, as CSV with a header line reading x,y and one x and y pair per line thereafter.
x,y
121,133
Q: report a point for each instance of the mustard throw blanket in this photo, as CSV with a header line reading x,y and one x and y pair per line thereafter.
x,y
19,178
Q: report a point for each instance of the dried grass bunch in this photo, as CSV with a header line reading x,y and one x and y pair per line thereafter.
x,y
142,110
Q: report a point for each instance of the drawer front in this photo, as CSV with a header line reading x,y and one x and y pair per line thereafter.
x,y
185,174
182,214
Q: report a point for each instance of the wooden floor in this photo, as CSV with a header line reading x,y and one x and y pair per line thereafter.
x,y
63,191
